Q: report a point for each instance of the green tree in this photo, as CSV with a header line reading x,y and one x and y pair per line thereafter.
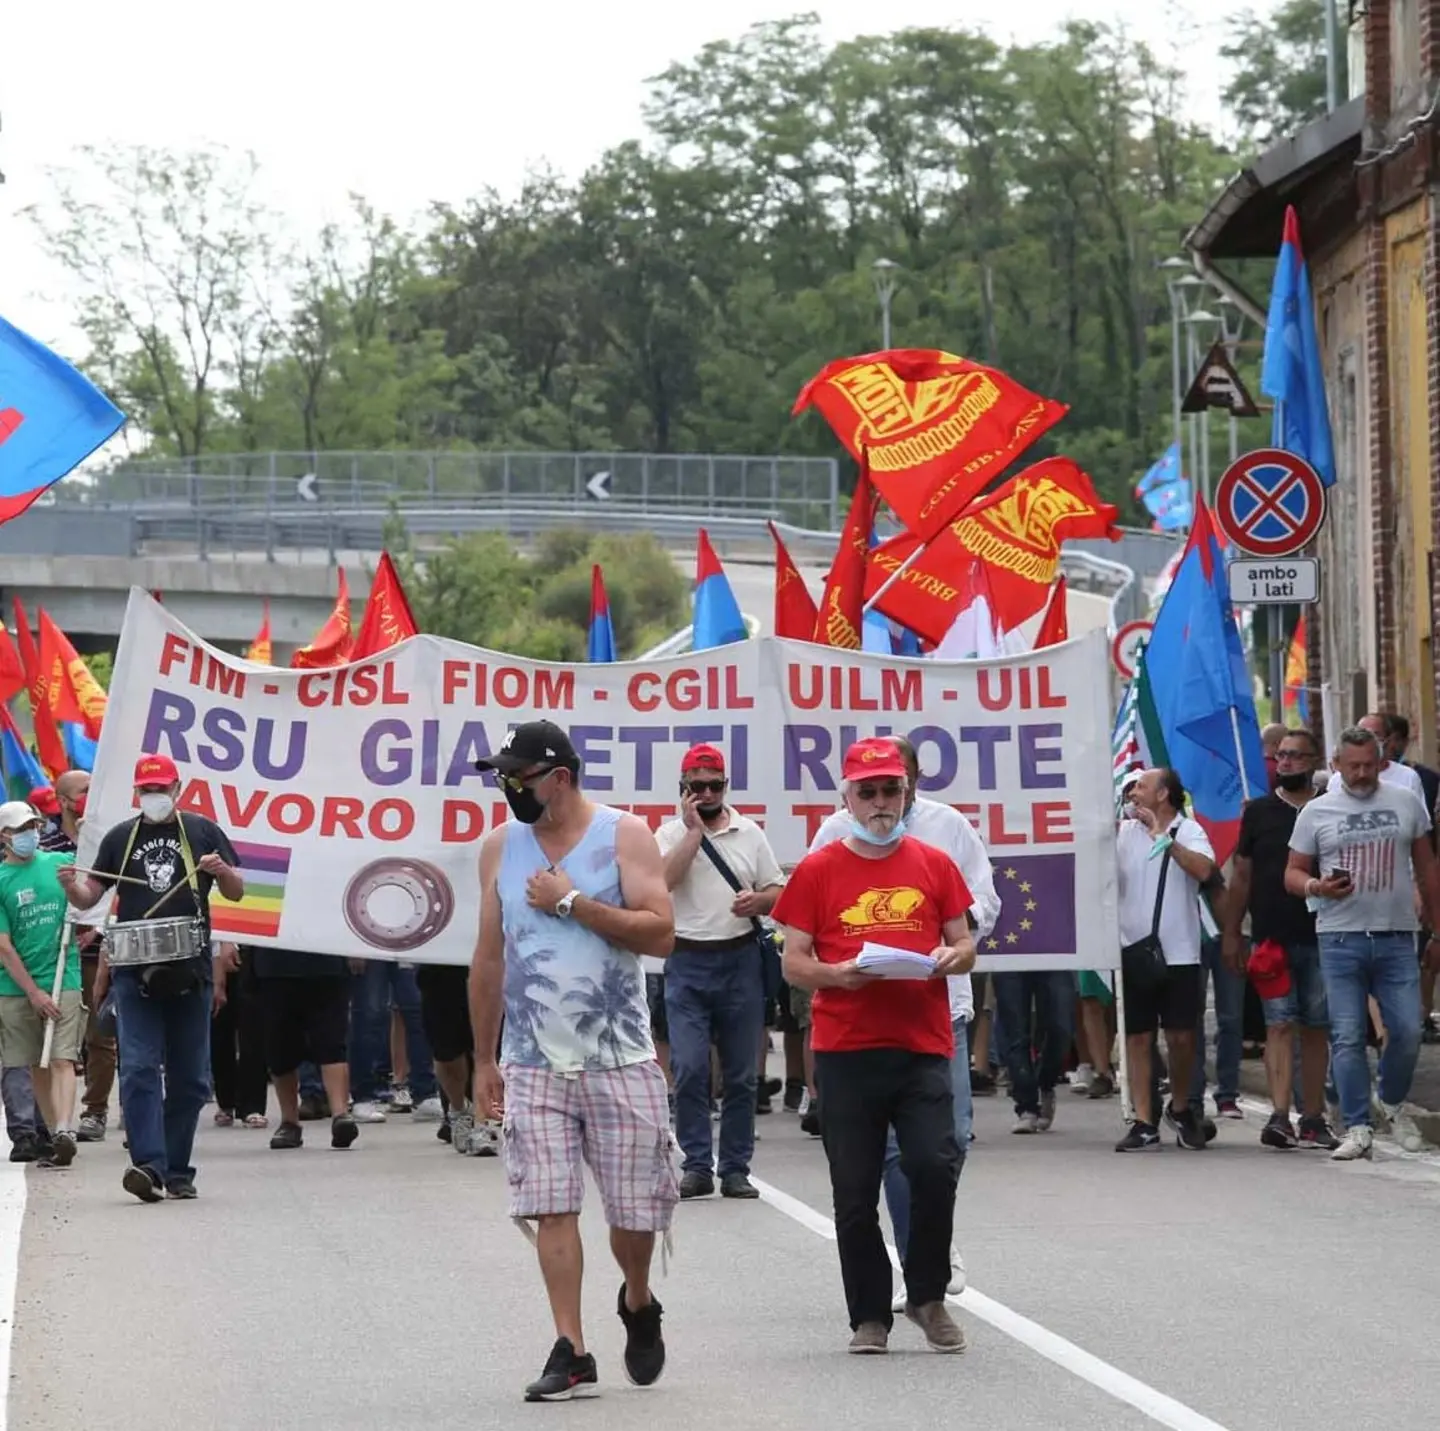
x,y
1278,79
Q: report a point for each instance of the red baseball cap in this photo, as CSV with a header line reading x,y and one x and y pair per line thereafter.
x,y
44,799
707,755
873,759
1269,970
156,770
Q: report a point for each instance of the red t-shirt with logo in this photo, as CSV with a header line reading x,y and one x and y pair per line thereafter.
x,y
904,900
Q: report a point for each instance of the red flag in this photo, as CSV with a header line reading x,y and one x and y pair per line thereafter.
x,y
795,612
387,620
1016,531
1055,628
842,607
330,645
47,734
936,428
75,694
12,671
262,649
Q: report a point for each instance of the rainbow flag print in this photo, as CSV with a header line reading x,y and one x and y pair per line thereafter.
x,y
266,868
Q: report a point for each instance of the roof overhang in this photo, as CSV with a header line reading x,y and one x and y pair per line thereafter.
x,y
1314,169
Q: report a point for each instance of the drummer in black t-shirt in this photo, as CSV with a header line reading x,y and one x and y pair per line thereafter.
x,y
163,866
1285,964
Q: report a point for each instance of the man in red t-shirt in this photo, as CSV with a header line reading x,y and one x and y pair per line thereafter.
x,y
883,1045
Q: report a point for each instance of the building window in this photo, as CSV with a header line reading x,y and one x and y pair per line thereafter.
x,y
1404,53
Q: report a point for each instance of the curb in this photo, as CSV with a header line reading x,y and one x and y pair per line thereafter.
x,y
1254,1083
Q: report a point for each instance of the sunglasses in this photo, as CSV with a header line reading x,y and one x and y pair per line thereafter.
x,y
531,781
706,787
890,790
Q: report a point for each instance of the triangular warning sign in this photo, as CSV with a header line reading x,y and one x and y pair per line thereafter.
x,y
1217,384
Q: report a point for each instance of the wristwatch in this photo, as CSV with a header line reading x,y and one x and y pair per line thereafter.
x,y
566,904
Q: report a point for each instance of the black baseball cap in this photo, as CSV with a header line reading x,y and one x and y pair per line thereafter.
x,y
537,742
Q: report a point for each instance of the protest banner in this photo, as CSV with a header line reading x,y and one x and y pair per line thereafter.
x,y
352,798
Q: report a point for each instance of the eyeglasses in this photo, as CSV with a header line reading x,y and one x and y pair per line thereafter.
x,y
529,782
706,787
1292,755
890,790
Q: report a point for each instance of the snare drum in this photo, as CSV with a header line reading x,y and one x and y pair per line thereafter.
x,y
154,941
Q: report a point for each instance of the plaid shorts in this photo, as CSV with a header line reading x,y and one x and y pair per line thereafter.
x,y
617,1120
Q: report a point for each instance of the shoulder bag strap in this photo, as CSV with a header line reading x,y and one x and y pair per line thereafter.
x,y
1160,893
728,875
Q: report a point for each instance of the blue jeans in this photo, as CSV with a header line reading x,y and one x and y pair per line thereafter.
x,y
1229,1029
715,996
897,1186
23,1118
1053,997
164,1051
371,995
1385,965
311,1084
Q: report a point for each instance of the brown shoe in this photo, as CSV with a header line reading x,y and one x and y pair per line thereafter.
x,y
942,1331
870,1339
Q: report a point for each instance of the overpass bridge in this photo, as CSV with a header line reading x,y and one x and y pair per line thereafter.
x,y
216,543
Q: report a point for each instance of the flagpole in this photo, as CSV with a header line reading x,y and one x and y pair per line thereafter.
x,y
1239,753
895,576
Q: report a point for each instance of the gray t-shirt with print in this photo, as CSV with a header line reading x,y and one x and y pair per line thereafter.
x,y
1371,838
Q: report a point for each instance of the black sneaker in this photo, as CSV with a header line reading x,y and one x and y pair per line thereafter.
x,y
696,1185
769,1087
1141,1138
1315,1132
566,1375
737,1185
143,1183
288,1135
764,1105
1188,1129
344,1130
445,1131
1278,1131
314,1108
794,1093
644,1346
982,1085
63,1149
25,1149
181,1190
810,1123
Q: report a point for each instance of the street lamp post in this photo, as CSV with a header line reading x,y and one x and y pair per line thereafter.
x,y
884,273
1195,320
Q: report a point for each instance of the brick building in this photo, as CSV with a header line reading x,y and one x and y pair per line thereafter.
x,y
1365,181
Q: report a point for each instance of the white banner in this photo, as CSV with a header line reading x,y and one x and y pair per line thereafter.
x,y
353,801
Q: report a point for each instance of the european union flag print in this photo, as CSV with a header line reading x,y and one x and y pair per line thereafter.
x,y
1037,905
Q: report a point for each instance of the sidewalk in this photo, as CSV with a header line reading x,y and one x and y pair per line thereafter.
x,y
1424,1092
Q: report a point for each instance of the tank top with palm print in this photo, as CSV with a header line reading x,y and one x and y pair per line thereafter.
x,y
573,1002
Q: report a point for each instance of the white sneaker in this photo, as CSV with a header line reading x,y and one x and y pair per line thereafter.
x,y
367,1113
957,1272
400,1100
429,1110
901,1301
462,1125
485,1140
1080,1079
1358,1143
1026,1123
1403,1127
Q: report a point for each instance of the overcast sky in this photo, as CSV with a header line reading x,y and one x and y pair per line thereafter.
x,y
428,100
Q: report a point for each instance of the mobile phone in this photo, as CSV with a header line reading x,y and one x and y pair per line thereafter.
x,y
1342,875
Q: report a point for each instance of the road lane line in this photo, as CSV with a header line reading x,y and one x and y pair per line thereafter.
x,y
1163,1410
12,1218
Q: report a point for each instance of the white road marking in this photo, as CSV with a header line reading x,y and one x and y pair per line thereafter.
x,y
1162,1409
12,1218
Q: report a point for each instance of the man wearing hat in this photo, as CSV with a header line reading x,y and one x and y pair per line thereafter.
x,y
883,1045
572,894
163,866
714,981
32,923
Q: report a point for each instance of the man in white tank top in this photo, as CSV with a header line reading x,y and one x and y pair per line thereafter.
x,y
572,893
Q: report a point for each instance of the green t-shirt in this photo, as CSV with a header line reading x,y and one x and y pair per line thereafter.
x,y
32,909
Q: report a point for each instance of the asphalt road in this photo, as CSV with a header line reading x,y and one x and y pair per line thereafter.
x,y
384,1288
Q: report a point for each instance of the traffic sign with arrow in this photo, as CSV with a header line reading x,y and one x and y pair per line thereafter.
x,y
598,486
1217,384
305,488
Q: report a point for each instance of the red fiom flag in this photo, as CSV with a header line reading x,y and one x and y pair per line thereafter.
x,y
388,619
1016,532
795,612
262,649
48,741
75,694
330,646
1055,628
935,428
12,671
842,607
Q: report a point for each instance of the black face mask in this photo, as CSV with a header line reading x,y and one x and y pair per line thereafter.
x,y
525,805
1293,780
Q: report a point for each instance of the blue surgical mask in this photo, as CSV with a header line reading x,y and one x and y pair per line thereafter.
x,y
869,837
24,843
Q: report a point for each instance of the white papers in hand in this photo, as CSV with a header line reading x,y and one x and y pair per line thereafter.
x,y
885,962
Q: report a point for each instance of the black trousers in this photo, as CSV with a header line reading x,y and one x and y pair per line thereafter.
x,y
864,1094
237,1047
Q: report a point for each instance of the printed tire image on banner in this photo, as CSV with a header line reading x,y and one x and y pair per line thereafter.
x,y
353,801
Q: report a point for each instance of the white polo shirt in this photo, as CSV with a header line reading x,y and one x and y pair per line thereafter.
x,y
702,899
1404,778
1140,884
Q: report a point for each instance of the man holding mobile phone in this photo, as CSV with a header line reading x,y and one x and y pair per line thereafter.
x,y
1359,854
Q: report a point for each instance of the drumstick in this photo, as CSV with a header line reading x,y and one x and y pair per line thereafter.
x,y
118,879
